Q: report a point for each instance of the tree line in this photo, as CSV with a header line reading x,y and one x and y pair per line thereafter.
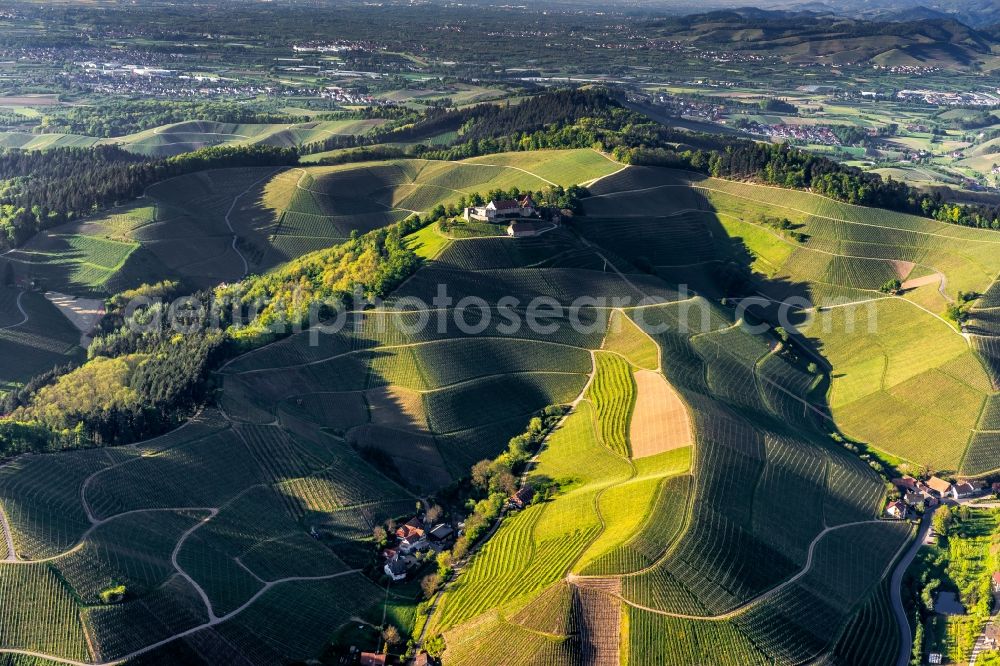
x,y
115,118
594,119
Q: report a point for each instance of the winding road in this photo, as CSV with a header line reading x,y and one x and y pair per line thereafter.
x,y
24,314
896,591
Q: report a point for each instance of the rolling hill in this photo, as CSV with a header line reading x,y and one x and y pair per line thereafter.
x,y
898,366
218,226
699,510
187,136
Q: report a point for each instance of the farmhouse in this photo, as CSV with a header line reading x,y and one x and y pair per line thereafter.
x,y
372,659
905,483
996,582
896,509
962,490
526,229
411,536
939,485
395,568
502,209
913,498
441,532
522,497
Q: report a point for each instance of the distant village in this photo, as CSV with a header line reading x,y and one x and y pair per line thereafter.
x,y
815,134
951,98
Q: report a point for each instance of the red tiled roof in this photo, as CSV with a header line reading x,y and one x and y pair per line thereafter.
x,y
898,505
506,204
408,531
523,495
939,485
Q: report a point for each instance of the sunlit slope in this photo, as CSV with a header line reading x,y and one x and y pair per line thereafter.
x,y
208,527
653,545
340,430
904,378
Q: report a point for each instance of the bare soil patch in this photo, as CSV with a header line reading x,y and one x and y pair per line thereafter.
x,y
83,313
660,421
921,281
397,407
902,268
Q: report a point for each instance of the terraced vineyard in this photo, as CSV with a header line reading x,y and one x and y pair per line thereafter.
x,y
899,364
709,568
34,337
732,539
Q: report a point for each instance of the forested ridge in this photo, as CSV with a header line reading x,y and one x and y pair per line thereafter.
x,y
41,189
120,117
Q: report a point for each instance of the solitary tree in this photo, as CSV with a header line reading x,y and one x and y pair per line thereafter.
x,y
392,637
434,513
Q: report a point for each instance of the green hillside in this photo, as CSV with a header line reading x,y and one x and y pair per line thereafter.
x,y
905,379
34,337
696,502
219,225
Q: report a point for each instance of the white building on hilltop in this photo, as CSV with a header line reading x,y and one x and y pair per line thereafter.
x,y
503,209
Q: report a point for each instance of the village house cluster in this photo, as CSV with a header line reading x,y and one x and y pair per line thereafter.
x,y
680,106
940,98
128,79
817,134
915,493
337,46
412,537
